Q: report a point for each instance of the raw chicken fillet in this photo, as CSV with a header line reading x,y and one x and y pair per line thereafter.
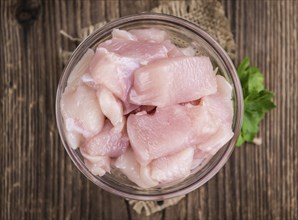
x,y
173,80
160,134
147,108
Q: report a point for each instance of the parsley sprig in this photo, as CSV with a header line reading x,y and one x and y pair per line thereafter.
x,y
257,100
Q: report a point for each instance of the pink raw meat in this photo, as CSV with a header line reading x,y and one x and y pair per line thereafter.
x,y
173,80
175,51
188,51
81,111
142,52
147,108
223,87
165,132
203,123
180,112
220,107
74,139
150,34
111,107
113,71
109,142
172,128
128,165
220,104
122,34
98,165
88,80
173,167
81,67
218,140
128,107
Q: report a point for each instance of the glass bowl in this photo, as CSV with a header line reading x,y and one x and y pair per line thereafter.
x,y
182,33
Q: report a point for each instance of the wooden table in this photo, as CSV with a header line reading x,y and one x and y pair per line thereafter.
x,y
38,180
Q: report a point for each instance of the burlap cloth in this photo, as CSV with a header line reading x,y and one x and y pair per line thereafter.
x,y
209,15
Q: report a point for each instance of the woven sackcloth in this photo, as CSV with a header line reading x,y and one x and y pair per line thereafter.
x,y
209,15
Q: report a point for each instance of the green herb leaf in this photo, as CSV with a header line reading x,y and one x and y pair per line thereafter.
x,y
257,100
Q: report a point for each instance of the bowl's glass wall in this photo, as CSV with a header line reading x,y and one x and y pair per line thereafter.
x,y
183,34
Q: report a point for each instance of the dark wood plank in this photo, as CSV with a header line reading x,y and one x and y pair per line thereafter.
x,y
39,180
265,32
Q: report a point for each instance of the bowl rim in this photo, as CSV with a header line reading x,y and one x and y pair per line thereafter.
x,y
224,58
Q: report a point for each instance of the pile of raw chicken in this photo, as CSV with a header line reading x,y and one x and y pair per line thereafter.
x,y
146,107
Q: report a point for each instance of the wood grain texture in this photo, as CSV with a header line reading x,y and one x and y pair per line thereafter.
x,y
38,180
